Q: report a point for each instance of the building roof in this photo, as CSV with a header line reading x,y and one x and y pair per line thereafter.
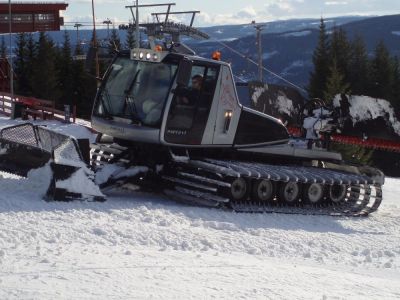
x,y
30,6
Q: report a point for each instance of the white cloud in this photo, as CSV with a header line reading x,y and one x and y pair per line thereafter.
x,y
248,12
280,7
336,3
243,16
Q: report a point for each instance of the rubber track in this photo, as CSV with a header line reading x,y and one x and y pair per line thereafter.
x,y
198,182
363,196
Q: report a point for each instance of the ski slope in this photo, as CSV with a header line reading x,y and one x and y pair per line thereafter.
x,y
144,246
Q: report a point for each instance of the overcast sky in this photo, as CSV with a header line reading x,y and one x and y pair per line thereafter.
x,y
217,12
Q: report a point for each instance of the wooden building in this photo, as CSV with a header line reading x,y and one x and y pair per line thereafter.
x,y
31,16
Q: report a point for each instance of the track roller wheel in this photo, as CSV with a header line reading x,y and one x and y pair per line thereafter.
x,y
289,192
337,193
314,193
238,190
263,190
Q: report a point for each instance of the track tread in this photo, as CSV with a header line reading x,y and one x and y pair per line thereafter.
x,y
360,200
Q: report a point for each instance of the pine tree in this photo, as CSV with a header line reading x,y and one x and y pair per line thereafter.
x,y
318,77
84,84
381,71
114,42
20,66
78,49
30,62
130,39
44,81
339,51
395,97
358,67
65,72
3,48
335,83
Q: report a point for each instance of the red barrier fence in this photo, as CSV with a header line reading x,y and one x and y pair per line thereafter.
x,y
34,108
372,143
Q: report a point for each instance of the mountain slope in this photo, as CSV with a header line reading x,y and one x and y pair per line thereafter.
x,y
289,54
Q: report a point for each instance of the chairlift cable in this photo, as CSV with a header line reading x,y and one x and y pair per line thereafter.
x,y
242,80
264,68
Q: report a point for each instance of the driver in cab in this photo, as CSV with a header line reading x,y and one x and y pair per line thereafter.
x,y
193,94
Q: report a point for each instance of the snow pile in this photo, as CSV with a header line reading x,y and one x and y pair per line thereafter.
x,y
104,174
131,172
36,184
80,182
117,172
364,108
258,91
284,104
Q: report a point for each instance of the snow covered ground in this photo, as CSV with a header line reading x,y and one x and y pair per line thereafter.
x,y
143,246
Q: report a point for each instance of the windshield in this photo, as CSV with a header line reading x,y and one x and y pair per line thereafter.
x,y
136,90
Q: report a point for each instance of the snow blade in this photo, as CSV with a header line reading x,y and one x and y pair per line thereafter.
x,y
26,147
18,158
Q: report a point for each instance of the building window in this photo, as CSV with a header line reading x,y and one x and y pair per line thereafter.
x,y
22,18
44,18
3,18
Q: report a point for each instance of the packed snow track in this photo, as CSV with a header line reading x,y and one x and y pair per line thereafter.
x,y
142,246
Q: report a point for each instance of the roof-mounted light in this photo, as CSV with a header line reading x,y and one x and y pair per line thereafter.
x,y
148,55
216,55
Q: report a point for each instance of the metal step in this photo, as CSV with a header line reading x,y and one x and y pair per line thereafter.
x,y
205,179
189,183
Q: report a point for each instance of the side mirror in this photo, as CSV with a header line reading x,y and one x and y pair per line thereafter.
x,y
184,72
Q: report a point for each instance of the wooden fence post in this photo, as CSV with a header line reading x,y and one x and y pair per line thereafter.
x,y
74,114
53,106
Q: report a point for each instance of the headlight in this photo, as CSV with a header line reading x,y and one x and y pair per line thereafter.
x,y
141,55
134,54
148,56
155,57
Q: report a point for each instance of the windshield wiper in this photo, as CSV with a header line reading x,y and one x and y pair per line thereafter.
x,y
107,103
130,100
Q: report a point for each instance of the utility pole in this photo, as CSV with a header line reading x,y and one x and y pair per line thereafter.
x,y
95,45
137,40
77,25
11,60
259,28
108,22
